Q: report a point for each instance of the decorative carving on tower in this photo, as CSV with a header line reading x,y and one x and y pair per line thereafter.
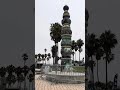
x,y
66,37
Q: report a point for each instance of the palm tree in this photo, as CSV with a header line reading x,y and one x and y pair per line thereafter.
x,y
49,56
76,48
2,72
86,20
79,44
98,53
18,72
31,78
90,46
36,56
2,75
73,47
10,79
32,68
39,57
10,69
45,54
45,50
55,33
108,41
20,80
53,50
43,57
25,58
13,79
25,72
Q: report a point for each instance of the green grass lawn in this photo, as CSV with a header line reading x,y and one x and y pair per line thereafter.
x,y
79,69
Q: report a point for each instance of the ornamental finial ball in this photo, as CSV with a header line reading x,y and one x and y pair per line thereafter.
x,y
65,8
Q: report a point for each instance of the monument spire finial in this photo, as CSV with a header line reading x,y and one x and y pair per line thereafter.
x,y
65,8
66,16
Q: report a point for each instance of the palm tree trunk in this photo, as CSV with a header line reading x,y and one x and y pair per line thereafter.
x,y
29,85
79,58
20,86
24,63
75,55
45,61
92,71
25,83
8,85
106,75
57,52
56,44
53,61
25,77
32,86
73,60
97,72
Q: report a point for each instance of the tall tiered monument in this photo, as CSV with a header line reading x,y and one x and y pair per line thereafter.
x,y
66,34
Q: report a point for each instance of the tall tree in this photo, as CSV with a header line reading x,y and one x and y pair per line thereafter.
x,y
108,42
36,56
2,72
11,79
21,79
2,75
31,79
48,58
43,57
45,54
18,72
53,50
76,48
32,68
55,33
98,54
39,57
10,69
79,44
25,72
90,46
25,58
73,48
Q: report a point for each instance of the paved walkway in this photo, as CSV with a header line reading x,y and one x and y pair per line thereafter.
x,y
45,85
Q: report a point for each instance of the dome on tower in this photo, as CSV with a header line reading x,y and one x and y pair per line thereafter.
x,y
65,8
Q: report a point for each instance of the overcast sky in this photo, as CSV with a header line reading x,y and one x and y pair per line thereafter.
x,y
51,11
16,20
